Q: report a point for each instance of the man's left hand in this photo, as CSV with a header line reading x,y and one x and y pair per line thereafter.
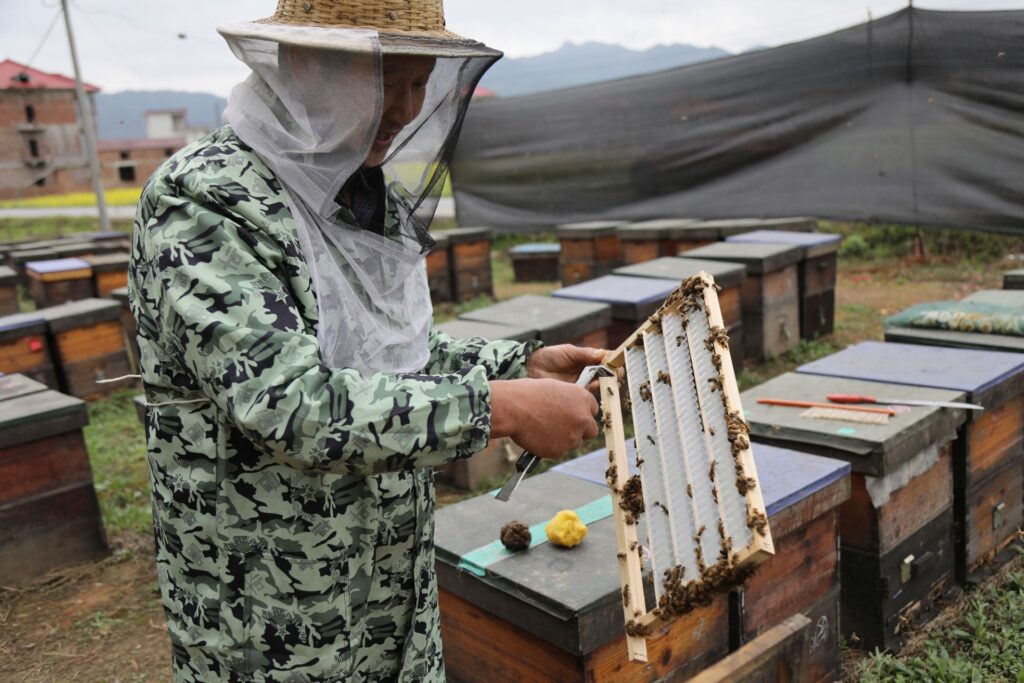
x,y
564,362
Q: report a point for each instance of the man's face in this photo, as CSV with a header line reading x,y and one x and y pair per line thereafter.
x,y
405,86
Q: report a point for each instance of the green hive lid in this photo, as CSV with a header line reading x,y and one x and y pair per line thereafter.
x,y
462,329
954,338
80,313
16,385
758,258
46,413
1000,297
468,235
589,229
557,321
113,261
727,275
871,449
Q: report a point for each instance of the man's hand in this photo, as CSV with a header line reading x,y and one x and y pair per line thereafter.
x,y
563,362
544,416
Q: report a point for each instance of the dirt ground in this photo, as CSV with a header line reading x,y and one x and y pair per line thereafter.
x,y
102,622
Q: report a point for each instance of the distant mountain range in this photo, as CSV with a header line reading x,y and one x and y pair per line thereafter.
x,y
573,65
122,115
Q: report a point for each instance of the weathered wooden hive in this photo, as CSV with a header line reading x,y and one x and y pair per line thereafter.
x,y
24,348
632,300
469,252
58,281
130,327
988,457
49,514
589,250
729,278
439,268
88,345
1013,279
557,321
648,240
896,529
8,291
109,272
535,262
817,281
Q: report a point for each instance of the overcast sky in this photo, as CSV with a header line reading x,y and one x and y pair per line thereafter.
x,y
149,45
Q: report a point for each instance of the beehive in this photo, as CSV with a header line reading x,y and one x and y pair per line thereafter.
x,y
439,268
18,258
535,262
729,277
779,655
966,340
648,240
551,614
771,294
8,291
988,457
817,275
58,281
469,253
109,272
632,300
49,515
88,343
897,555
589,250
557,321
24,348
1013,279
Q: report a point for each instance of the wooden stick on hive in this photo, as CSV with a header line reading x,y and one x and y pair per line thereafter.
x,y
704,521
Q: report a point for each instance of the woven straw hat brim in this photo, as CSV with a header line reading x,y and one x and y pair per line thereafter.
x,y
428,44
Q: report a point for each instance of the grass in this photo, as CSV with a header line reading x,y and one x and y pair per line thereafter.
x,y
123,196
21,229
985,642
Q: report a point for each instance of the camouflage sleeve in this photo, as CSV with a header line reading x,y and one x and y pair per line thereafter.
x,y
501,359
228,318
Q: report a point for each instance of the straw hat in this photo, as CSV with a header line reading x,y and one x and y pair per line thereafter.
x,y
413,27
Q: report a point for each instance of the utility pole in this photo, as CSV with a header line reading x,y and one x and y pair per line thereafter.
x,y
88,125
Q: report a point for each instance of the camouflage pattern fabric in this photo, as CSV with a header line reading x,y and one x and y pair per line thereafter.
x,y
292,503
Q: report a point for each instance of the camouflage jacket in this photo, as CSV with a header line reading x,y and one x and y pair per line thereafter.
x,y
292,503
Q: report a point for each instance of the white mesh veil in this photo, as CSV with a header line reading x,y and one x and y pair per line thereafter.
x,y
311,109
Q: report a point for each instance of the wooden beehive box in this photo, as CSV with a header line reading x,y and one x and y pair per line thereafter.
x,y
771,294
817,281
535,262
728,276
55,282
8,291
802,494
633,300
469,252
1013,279
589,250
648,240
988,456
552,614
557,321
24,348
780,655
17,260
130,327
896,528
109,272
49,515
966,340
439,268
88,343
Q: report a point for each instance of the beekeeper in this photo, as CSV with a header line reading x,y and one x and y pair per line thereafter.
x,y
298,396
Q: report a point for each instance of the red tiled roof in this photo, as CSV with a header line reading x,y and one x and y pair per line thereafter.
x,y
13,76
139,143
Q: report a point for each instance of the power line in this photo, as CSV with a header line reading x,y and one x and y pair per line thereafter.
x,y
35,53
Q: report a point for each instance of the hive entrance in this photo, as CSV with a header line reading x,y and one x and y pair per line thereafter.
x,y
695,503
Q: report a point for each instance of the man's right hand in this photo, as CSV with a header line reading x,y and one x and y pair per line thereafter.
x,y
545,416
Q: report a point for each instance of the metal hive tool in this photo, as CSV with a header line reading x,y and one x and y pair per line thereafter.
x,y
704,522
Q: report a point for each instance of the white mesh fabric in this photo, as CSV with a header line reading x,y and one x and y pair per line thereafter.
x,y
311,113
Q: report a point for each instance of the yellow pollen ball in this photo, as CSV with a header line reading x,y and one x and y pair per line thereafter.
x,y
566,529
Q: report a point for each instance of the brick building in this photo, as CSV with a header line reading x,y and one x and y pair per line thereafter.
x,y
41,147
130,162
